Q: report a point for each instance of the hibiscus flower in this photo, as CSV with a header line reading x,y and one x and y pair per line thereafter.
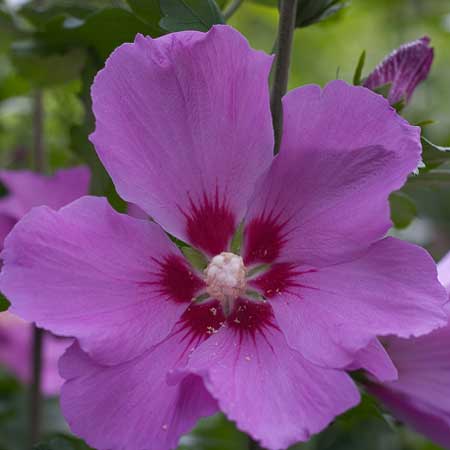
x,y
264,331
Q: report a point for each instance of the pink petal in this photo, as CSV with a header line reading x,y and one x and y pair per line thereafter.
x,y
421,395
325,198
130,406
6,225
376,361
28,189
331,313
114,282
404,69
183,126
423,365
444,271
15,352
267,388
134,211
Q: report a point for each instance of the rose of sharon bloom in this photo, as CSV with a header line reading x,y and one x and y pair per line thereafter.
x,y
183,126
421,395
24,191
403,69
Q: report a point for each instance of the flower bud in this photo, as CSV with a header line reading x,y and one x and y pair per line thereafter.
x,y
402,70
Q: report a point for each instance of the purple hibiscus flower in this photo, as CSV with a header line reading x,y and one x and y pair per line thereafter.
x,y
26,190
421,395
263,333
403,70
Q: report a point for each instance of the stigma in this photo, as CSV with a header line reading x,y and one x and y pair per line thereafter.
x,y
225,279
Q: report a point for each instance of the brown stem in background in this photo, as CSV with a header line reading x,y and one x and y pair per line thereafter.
x,y
286,27
39,165
35,393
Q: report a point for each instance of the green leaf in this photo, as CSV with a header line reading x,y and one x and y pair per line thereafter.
x,y
14,415
398,106
46,70
62,442
4,303
383,89
147,10
424,123
102,32
107,29
269,3
9,29
4,191
310,12
101,182
359,69
181,15
434,155
214,433
222,3
435,179
13,85
403,209
40,16
195,257
364,427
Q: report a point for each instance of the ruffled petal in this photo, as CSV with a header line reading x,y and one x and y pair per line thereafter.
x,y
183,126
331,313
268,389
130,406
114,282
325,198
27,189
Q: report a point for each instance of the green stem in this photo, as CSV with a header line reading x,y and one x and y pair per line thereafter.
x,y
286,27
38,133
234,6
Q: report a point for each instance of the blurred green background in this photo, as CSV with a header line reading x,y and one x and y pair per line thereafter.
x,y
59,48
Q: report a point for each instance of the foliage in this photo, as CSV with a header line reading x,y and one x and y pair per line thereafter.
x,y
181,15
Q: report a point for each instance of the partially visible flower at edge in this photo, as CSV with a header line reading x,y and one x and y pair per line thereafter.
x,y
26,190
421,395
265,332
15,352
403,70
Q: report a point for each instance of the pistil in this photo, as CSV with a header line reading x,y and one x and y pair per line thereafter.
x,y
225,279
